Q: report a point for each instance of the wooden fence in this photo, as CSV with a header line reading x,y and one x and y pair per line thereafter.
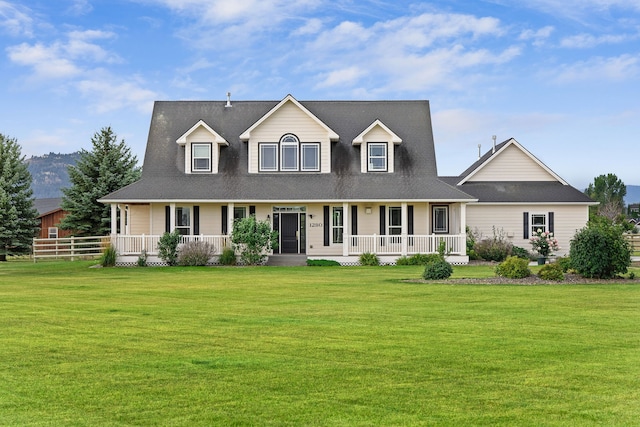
x,y
634,241
70,247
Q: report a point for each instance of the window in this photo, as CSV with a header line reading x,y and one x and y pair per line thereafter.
x,y
268,157
377,158
337,225
53,232
239,212
289,155
201,157
395,220
183,220
440,219
310,157
538,222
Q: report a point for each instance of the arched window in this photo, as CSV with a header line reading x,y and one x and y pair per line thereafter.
x,y
289,146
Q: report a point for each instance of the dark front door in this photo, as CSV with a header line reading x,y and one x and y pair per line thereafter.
x,y
289,233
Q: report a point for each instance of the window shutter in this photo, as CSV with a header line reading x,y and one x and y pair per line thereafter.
x,y
225,219
550,219
327,225
410,219
167,219
196,220
354,220
383,220
252,210
525,225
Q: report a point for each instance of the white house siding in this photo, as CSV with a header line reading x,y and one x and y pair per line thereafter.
x,y
202,135
139,217
512,165
290,119
377,134
508,219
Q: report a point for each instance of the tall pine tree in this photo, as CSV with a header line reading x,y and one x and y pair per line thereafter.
x,y
108,167
18,217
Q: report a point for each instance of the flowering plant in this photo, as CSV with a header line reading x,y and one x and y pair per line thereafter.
x,y
544,243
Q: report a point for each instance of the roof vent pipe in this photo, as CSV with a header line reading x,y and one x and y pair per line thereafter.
x,y
494,144
479,149
228,99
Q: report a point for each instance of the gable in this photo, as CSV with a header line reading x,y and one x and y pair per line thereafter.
x,y
512,163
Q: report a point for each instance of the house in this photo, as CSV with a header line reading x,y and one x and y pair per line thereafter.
x,y
335,178
50,214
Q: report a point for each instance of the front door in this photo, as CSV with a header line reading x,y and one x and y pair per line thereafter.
x,y
289,233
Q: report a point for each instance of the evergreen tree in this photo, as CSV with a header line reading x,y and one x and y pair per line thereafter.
x,y
108,167
18,217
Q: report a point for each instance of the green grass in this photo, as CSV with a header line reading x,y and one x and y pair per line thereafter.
x,y
310,346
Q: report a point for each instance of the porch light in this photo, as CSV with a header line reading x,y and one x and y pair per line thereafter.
x,y
367,211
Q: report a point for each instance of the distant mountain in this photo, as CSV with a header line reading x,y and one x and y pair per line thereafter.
x,y
49,173
633,194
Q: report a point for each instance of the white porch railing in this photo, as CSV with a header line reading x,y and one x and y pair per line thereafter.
x,y
136,244
412,244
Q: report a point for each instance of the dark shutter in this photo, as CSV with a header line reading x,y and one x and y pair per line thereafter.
x,y
410,219
525,225
354,220
252,210
551,222
167,219
327,225
225,219
383,220
196,220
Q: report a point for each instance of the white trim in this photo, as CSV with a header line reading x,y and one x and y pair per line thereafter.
x,y
360,138
297,201
246,135
217,138
495,155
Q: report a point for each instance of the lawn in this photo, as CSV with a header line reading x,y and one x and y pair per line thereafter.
x,y
326,346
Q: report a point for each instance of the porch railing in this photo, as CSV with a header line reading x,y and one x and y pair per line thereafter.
x,y
411,244
136,244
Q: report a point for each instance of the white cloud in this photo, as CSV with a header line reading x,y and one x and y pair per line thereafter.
x,y
79,7
345,76
15,20
538,37
598,69
109,94
311,26
589,41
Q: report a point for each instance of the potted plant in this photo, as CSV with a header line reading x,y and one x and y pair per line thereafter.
x,y
544,244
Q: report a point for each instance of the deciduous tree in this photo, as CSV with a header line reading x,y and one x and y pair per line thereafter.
x,y
609,190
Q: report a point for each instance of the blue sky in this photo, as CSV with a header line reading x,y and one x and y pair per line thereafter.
x,y
562,77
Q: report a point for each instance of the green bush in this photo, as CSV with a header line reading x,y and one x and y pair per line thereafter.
x,y
564,263
168,247
417,259
437,269
322,263
551,271
496,248
520,252
253,239
227,257
109,255
513,268
600,250
471,242
369,259
195,253
142,259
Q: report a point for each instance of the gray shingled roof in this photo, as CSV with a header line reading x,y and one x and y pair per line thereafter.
x,y
47,205
163,176
521,191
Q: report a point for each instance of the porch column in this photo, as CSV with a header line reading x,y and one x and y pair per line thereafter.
x,y
345,229
463,227
114,219
123,218
172,217
404,227
230,218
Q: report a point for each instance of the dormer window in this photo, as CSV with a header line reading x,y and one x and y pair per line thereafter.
x,y
377,156
201,157
289,155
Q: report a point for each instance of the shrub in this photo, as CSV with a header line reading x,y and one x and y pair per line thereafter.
x,y
196,253
564,263
496,248
600,250
142,259
252,239
228,257
417,259
471,242
369,259
109,255
437,269
513,268
551,271
168,247
322,263
520,252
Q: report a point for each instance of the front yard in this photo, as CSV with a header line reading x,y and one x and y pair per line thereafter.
x,y
311,346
